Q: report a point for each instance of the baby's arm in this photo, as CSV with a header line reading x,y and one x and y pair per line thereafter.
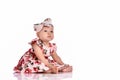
x,y
40,56
57,58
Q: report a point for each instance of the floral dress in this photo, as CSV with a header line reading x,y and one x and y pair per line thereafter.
x,y
29,63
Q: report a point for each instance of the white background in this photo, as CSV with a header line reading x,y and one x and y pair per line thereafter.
x,y
87,34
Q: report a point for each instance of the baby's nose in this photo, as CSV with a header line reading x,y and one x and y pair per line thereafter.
x,y
49,33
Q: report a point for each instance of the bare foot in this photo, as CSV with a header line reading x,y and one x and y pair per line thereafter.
x,y
68,69
48,71
62,68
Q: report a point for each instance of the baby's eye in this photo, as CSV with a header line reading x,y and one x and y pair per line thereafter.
x,y
45,30
51,31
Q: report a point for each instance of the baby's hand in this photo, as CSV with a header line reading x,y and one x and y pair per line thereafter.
x,y
54,70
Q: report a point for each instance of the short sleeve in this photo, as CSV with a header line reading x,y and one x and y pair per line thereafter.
x,y
33,41
37,42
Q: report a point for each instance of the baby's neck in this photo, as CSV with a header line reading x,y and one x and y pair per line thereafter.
x,y
46,43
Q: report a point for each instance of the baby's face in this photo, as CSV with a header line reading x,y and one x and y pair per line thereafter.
x,y
46,34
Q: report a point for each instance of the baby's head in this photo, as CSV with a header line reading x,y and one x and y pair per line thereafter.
x,y
44,30
46,23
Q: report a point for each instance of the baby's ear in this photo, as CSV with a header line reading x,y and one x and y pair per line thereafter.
x,y
37,34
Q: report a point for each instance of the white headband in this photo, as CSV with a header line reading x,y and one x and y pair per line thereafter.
x,y
39,26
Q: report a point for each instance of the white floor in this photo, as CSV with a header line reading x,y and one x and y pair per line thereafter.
x,y
79,73
43,76
18,76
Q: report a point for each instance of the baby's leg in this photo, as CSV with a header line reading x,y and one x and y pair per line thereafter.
x,y
54,70
48,71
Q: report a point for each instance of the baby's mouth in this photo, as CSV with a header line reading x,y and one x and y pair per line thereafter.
x,y
49,36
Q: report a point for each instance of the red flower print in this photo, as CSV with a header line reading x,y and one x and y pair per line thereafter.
x,y
28,70
37,62
52,61
35,69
